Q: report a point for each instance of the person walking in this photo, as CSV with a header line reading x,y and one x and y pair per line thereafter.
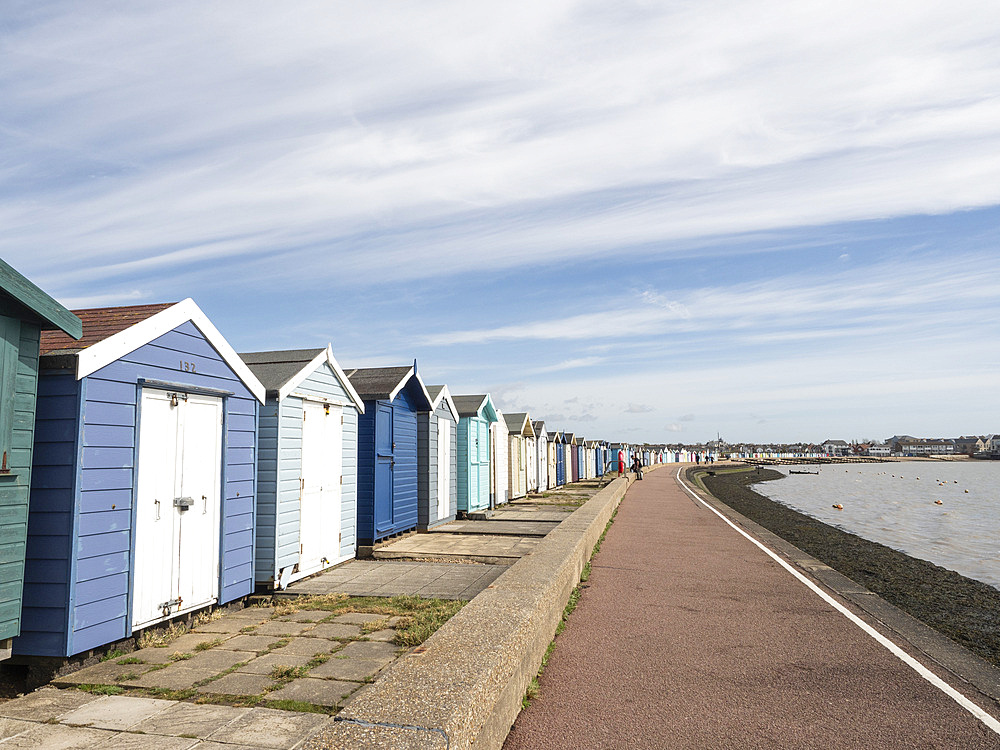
x,y
637,466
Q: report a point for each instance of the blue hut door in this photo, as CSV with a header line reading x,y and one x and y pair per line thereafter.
x,y
385,460
178,495
319,486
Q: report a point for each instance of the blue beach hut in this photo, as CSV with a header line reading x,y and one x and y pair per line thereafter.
x,y
25,311
143,490
307,475
475,415
559,439
387,449
437,459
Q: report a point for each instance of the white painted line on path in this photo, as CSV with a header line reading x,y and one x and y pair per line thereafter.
x,y
917,667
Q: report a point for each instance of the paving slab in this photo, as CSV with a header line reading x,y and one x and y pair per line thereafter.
x,y
369,650
105,673
268,662
227,625
268,727
12,727
190,719
532,513
307,646
238,683
58,737
115,712
282,628
388,635
306,615
126,741
155,655
354,669
174,677
218,659
358,618
209,745
443,546
310,690
369,578
333,630
260,614
189,642
46,704
254,643
500,526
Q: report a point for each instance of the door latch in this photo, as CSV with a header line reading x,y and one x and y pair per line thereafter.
x,y
183,503
166,606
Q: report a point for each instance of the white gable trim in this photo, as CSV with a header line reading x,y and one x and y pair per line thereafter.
x,y
113,348
446,395
324,356
402,384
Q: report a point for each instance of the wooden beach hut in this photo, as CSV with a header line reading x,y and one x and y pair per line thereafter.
x,y
144,486
551,457
559,440
475,415
572,458
541,457
518,433
499,467
437,460
307,474
25,311
387,449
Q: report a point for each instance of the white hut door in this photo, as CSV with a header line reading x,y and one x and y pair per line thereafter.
x,y
200,480
444,468
319,509
177,505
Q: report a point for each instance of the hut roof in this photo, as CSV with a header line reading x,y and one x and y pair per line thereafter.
x,y
37,302
479,405
99,323
518,422
439,393
385,383
109,333
283,371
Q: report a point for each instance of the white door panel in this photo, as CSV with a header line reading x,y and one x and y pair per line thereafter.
x,y
444,468
177,548
322,459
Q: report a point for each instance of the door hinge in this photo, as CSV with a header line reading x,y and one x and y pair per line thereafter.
x,y
300,549
341,478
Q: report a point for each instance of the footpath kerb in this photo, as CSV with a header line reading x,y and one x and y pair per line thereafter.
x,y
463,688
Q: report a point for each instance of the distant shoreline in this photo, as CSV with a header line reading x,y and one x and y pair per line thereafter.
x,y
963,609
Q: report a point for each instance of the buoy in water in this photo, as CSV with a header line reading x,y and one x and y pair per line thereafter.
x,y
938,502
966,492
838,506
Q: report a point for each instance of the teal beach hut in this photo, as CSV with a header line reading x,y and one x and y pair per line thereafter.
x,y
25,311
475,415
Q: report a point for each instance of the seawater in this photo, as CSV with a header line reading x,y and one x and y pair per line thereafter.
x,y
893,504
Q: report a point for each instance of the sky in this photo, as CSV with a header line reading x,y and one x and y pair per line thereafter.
x,y
640,221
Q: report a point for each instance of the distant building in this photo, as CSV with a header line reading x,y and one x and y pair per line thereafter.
x,y
926,447
836,447
880,450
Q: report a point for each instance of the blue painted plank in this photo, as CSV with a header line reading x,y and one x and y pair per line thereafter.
x,y
102,544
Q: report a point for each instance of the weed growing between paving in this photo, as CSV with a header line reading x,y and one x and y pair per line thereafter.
x,y
534,687
420,617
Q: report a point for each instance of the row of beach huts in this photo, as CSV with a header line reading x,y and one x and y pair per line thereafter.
x,y
149,470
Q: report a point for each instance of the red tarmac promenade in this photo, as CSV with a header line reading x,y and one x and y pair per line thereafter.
x,y
690,636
